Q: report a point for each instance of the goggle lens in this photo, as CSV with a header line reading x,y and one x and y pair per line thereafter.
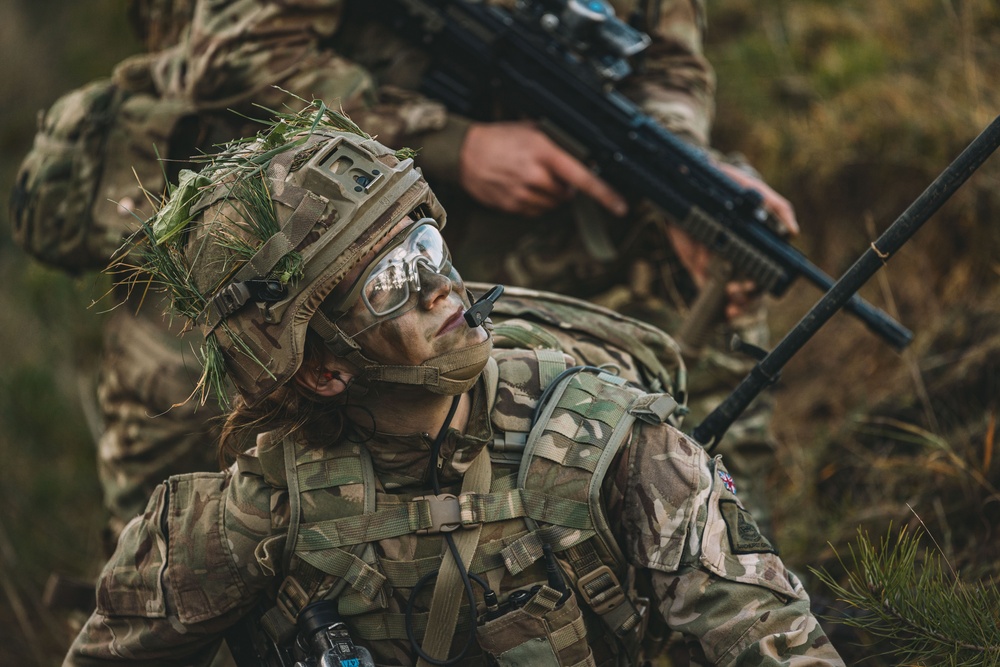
x,y
392,279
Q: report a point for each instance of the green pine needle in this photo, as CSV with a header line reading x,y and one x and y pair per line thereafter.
x,y
929,616
213,378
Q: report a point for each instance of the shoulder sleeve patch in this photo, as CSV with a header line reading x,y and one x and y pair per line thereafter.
x,y
732,546
744,535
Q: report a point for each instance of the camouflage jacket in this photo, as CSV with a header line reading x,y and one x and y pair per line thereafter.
x,y
209,546
234,51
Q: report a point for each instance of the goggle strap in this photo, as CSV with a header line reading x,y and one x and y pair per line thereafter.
x,y
334,339
340,344
323,326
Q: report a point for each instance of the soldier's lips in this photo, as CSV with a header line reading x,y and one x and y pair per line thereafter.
x,y
453,322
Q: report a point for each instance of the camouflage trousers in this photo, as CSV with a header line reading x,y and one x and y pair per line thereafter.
x,y
149,430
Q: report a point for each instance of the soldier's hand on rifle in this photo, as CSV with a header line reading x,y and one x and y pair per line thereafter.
x,y
774,203
515,167
741,295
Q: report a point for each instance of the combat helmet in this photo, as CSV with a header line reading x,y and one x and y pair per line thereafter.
x,y
251,246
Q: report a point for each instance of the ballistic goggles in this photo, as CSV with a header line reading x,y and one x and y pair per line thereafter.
x,y
386,285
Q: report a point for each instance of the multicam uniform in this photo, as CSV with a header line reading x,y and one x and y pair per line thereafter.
x,y
234,51
211,545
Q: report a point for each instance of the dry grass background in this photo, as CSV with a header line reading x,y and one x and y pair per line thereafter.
x,y
849,107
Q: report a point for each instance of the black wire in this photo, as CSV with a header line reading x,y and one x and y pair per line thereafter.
x,y
467,577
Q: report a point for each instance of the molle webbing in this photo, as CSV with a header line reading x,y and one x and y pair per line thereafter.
x,y
585,423
307,211
395,520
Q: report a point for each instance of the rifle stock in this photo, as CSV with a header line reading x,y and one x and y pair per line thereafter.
x,y
481,53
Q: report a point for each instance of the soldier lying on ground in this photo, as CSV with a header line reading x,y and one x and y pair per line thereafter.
x,y
454,500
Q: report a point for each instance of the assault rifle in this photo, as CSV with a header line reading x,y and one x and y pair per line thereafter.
x,y
557,61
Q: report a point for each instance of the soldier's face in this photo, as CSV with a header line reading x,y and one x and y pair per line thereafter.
x,y
429,323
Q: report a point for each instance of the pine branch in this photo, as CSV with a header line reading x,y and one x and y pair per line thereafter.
x,y
931,617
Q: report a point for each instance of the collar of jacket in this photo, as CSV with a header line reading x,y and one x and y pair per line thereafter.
x,y
400,461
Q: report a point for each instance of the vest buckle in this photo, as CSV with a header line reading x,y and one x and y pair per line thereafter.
x,y
444,511
601,590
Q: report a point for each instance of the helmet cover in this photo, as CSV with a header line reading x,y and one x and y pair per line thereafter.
x,y
249,247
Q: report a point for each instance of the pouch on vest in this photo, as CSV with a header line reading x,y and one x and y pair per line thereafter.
x,y
542,632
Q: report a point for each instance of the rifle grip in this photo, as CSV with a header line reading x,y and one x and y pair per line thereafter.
x,y
707,308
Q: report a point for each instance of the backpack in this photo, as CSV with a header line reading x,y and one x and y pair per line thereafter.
x,y
94,169
593,335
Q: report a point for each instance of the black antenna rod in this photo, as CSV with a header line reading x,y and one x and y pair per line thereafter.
x,y
710,431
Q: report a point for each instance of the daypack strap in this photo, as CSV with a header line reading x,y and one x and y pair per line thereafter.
x,y
602,591
550,364
331,472
522,553
406,573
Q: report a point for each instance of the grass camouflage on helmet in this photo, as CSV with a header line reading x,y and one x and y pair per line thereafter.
x,y
250,246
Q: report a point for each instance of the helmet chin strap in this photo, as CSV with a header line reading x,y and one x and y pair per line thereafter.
x,y
448,374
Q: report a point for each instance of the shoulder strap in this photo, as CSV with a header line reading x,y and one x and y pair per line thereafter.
x,y
582,427
285,466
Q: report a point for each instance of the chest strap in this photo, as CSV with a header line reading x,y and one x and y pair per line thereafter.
x,y
445,513
450,588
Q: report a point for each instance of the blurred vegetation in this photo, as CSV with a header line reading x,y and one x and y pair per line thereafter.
x,y
848,107
851,109
50,508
